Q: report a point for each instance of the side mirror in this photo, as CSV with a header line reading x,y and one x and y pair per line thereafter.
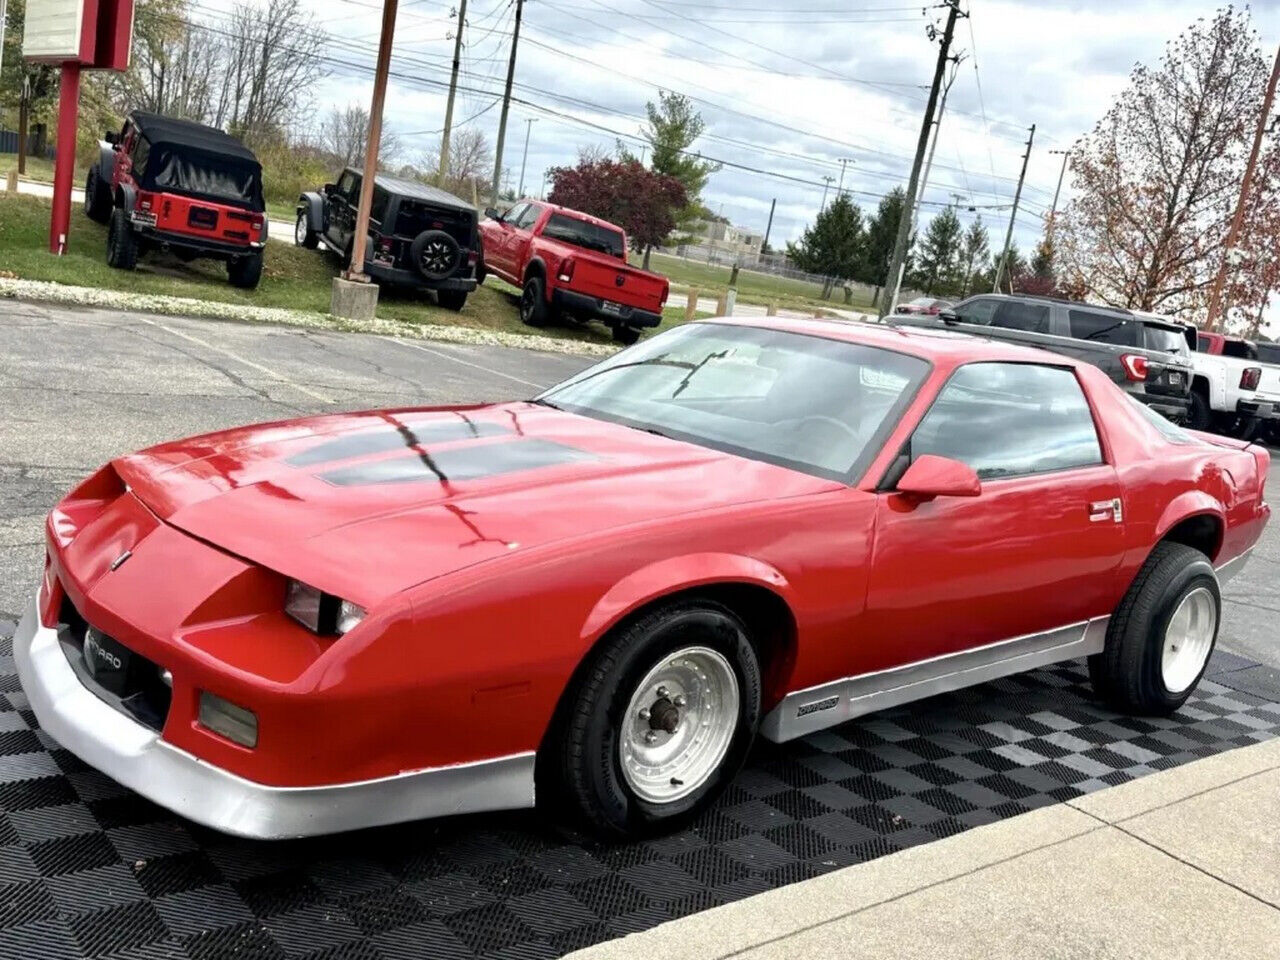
x,y
947,315
492,214
931,476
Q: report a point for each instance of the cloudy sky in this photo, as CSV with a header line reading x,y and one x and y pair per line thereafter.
x,y
787,89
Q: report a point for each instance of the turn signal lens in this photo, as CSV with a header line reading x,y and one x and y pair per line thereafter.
x,y
1136,366
228,720
1250,377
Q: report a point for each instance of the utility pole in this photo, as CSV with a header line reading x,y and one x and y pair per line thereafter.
x,y
826,186
1215,294
1013,214
898,260
843,162
506,105
528,126
453,90
1053,210
769,227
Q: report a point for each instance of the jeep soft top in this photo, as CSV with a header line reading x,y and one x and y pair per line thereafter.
x,y
198,161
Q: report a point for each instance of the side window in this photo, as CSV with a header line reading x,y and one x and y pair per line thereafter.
x,y
141,150
977,311
1009,420
347,184
1102,328
529,217
515,213
1017,315
378,209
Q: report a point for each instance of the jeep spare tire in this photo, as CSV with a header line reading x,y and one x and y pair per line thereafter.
x,y
434,254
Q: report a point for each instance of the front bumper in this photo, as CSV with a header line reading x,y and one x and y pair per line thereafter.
x,y
137,757
593,308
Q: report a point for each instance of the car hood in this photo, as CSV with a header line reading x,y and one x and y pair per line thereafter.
x,y
366,504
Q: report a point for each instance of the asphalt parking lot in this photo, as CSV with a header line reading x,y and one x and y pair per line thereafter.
x,y
87,869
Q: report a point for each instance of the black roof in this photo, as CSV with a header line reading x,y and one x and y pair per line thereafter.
x,y
185,133
416,190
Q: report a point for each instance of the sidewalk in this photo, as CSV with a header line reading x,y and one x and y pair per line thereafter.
x,y
1183,863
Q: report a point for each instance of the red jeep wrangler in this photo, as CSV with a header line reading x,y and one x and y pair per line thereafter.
x,y
566,262
172,184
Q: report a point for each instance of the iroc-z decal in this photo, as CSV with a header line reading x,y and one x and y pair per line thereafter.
x,y
816,706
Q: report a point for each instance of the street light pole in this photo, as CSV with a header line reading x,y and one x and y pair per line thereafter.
x,y
528,126
826,186
843,162
453,90
1053,210
1013,214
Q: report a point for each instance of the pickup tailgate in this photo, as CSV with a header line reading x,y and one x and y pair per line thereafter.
x,y
613,281
1269,384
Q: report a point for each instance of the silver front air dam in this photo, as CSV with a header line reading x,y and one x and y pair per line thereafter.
x,y
137,757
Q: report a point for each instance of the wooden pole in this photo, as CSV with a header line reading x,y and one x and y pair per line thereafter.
x,y
1215,293
506,107
453,90
356,270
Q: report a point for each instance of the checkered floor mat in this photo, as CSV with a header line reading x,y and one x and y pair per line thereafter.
x,y
88,869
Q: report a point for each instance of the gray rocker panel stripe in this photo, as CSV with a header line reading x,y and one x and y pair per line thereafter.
x,y
807,711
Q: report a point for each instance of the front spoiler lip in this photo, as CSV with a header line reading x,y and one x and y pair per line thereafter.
x,y
137,757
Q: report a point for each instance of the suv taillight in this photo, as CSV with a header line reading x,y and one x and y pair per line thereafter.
x,y
566,270
1135,366
1250,377
144,201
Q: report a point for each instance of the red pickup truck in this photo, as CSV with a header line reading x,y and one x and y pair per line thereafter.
x,y
570,263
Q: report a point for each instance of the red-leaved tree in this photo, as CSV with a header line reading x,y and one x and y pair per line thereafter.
x,y
643,203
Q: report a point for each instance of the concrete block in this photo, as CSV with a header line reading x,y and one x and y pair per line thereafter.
x,y
11,182
352,300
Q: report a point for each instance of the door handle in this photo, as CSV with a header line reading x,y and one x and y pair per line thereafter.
x,y
1111,509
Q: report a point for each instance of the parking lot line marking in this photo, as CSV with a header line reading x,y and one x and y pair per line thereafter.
x,y
465,363
239,359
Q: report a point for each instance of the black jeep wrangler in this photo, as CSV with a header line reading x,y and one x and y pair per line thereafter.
x,y
419,236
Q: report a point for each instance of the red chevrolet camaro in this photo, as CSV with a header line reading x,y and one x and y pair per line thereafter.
x,y
735,528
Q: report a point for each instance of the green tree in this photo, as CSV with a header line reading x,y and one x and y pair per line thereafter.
x,y
39,81
672,128
1015,270
938,262
833,246
1042,259
974,252
882,230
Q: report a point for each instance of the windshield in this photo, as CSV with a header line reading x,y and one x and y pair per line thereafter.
x,y
580,233
1164,338
809,403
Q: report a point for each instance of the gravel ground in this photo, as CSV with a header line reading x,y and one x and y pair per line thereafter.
x,y
81,385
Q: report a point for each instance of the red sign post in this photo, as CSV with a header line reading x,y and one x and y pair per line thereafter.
x,y
78,34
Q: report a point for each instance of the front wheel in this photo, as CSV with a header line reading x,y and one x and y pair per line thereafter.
x,y
122,245
659,721
1162,634
97,197
303,235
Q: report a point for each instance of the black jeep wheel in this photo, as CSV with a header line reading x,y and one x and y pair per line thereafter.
x,y
246,271
122,246
303,235
625,335
453,300
533,303
434,254
97,197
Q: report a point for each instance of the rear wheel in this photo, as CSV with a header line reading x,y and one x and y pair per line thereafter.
x,y
1162,634
533,303
452,299
246,271
1199,415
303,235
626,335
481,273
660,719
122,246
97,198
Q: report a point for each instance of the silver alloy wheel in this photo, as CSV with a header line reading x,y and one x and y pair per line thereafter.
x,y
300,230
679,724
1188,639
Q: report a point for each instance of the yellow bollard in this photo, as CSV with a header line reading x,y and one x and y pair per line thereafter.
x,y
772,309
722,304
691,308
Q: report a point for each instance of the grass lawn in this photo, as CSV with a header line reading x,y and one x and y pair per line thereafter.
x,y
712,280
293,278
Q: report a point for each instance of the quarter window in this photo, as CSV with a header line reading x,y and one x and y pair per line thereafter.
x,y
1009,420
1103,328
1017,315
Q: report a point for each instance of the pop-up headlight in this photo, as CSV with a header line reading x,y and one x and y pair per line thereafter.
x,y
322,613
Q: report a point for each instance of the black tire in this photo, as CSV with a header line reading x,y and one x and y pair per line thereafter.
x,y
122,245
97,197
453,300
1127,674
481,272
245,272
590,784
533,303
435,254
625,335
1199,414
303,235
1244,427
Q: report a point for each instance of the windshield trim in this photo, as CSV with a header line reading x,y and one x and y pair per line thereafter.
x,y
849,478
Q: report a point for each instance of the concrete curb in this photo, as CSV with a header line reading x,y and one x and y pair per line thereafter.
x,y
48,292
789,921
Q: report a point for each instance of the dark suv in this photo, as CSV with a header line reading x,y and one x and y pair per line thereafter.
x,y
1138,354
419,236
